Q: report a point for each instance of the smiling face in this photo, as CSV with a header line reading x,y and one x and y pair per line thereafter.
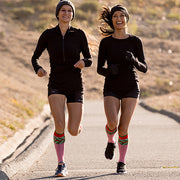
x,y
65,14
119,20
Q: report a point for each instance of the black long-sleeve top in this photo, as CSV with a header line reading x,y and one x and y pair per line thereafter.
x,y
64,52
112,51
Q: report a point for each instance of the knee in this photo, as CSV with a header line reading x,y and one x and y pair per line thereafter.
x,y
59,127
112,124
73,132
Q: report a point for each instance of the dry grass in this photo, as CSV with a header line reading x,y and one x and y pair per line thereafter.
x,y
168,102
22,95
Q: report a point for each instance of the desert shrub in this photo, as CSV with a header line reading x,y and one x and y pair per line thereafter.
x,y
163,34
81,15
152,13
1,34
164,85
173,16
86,16
91,6
136,2
145,93
22,12
172,3
135,10
39,1
176,28
44,21
50,8
133,27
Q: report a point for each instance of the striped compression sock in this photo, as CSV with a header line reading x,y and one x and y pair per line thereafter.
x,y
59,140
123,145
110,134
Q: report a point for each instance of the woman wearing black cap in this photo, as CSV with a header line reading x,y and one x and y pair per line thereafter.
x,y
64,45
123,53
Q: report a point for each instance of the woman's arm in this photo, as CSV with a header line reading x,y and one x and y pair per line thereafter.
x,y
140,64
41,46
85,50
101,60
112,70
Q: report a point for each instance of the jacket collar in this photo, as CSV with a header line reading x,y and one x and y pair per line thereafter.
x,y
70,29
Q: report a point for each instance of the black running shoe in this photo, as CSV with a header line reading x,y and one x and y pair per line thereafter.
x,y
121,168
109,152
61,170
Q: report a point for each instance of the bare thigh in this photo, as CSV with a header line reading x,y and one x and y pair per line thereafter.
x,y
57,105
128,106
75,116
111,107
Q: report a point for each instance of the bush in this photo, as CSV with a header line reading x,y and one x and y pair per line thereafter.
x,y
1,34
153,14
173,16
172,3
164,86
133,27
175,32
23,12
45,21
81,15
91,6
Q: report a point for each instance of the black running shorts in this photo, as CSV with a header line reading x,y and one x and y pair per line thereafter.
x,y
130,92
72,96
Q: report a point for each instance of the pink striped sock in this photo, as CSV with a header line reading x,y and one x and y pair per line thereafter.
x,y
110,134
59,140
123,145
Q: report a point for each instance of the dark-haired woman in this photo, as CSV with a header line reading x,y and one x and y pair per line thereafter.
x,y
123,54
64,45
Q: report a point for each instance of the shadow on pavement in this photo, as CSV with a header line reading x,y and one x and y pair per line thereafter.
x,y
3,176
76,178
172,115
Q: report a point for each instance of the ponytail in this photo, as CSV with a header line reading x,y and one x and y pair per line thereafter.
x,y
107,18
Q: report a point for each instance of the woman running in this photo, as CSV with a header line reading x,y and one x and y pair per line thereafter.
x,y
123,53
64,44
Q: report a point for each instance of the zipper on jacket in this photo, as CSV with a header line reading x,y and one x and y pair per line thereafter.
x,y
63,49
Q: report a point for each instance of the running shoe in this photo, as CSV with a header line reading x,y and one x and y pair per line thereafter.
x,y
61,170
121,168
109,152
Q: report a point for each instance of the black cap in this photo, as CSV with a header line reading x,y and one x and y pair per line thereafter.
x,y
64,2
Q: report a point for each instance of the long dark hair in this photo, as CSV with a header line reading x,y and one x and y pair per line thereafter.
x,y
106,17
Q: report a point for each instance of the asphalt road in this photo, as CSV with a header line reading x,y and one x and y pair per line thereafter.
x,y
153,152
